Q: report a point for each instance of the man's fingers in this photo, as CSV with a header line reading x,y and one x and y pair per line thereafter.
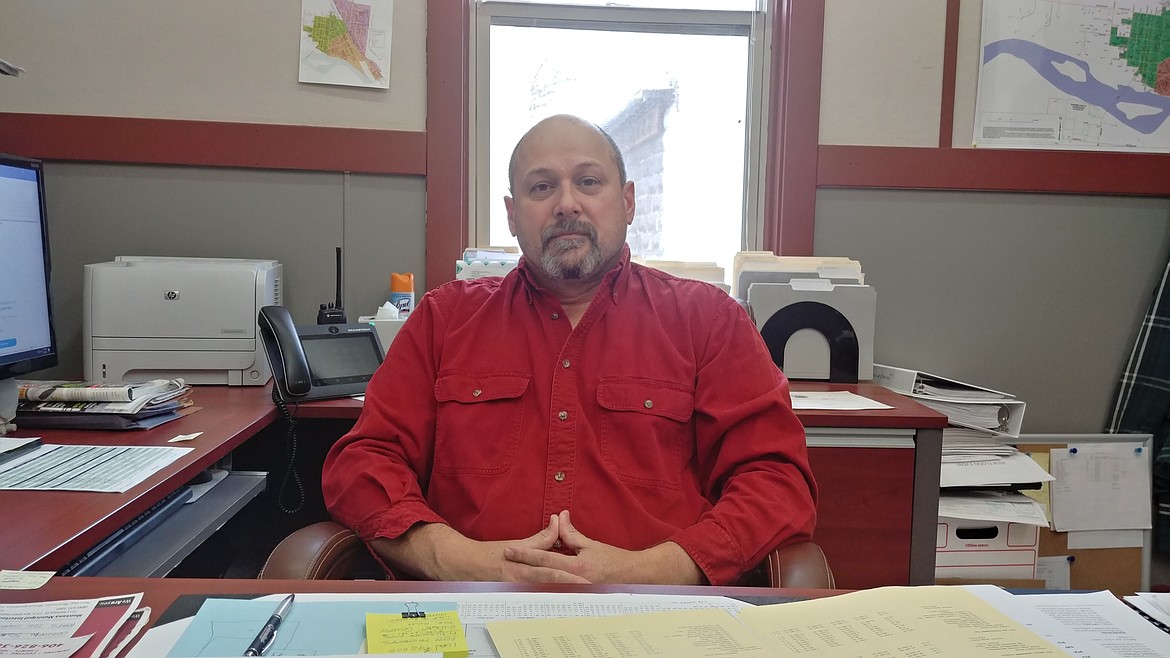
x,y
526,573
546,538
571,537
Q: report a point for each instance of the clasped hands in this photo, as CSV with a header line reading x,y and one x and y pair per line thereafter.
x,y
536,559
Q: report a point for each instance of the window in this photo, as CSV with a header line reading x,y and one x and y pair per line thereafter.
x,y
679,86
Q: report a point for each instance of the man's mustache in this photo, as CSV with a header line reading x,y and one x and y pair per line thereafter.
x,y
572,226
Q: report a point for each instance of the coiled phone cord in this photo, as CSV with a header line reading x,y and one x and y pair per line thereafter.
x,y
290,449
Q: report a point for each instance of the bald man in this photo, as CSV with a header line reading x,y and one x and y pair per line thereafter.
x,y
582,419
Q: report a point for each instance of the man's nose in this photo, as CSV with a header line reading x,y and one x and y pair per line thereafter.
x,y
567,202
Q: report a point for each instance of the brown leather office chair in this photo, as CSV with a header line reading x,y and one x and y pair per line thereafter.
x,y
330,551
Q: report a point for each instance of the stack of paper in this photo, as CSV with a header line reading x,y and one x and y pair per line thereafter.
x,y
60,629
100,405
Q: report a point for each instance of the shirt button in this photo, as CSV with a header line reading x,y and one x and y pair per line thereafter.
x,y
565,363
564,415
476,393
557,544
556,316
560,476
649,404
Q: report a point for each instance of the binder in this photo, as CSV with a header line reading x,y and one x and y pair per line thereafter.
x,y
965,405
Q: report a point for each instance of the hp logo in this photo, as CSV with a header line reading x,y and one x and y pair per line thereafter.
x,y
171,295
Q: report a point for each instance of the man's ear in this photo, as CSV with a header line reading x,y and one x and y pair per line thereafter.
x,y
509,204
628,197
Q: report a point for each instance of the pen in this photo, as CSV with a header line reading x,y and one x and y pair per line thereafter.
x,y
268,633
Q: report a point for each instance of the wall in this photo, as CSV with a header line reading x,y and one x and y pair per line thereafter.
x,y
215,61
1040,295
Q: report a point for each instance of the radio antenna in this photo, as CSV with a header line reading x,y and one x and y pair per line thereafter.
x,y
338,305
333,313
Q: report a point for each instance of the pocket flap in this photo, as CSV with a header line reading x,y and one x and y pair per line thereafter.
x,y
470,389
648,396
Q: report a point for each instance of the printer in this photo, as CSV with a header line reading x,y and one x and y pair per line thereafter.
x,y
151,317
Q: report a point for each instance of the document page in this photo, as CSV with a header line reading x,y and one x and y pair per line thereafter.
x,y
113,469
1094,624
894,621
693,633
59,628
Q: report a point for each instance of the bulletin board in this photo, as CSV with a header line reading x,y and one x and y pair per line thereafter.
x,y
1122,570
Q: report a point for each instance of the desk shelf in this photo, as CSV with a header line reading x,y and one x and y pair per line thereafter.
x,y
175,538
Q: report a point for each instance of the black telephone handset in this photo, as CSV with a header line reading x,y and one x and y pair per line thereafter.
x,y
315,362
286,355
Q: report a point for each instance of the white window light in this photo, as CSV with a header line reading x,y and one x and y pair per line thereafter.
x,y
681,90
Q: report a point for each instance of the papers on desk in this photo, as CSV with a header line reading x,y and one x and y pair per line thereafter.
x,y
975,620
475,611
87,628
112,469
835,400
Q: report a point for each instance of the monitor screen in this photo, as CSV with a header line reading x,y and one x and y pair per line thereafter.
x,y
27,341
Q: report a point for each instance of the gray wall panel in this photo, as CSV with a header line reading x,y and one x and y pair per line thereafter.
x,y
1037,295
98,212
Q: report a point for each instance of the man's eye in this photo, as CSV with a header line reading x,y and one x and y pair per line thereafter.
x,y
541,187
588,182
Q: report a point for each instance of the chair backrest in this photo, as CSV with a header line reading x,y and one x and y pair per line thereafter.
x,y
322,551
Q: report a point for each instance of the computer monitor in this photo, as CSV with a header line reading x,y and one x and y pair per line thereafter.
x,y
27,339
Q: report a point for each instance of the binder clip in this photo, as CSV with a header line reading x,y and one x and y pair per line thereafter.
x,y
413,614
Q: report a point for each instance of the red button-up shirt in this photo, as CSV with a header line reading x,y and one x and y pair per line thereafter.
x,y
660,416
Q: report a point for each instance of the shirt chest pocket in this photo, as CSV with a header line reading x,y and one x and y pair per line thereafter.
x,y
645,428
477,428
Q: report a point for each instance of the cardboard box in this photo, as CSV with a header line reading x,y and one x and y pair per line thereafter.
x,y
985,550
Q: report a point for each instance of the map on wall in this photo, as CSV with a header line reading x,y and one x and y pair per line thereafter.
x,y
346,43
1075,75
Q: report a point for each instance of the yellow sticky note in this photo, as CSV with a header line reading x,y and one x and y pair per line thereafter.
x,y
438,632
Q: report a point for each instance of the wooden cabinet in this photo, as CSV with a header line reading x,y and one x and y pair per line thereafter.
x,y
877,472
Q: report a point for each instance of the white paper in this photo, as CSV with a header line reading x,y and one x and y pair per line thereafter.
x,y
1079,539
113,469
837,400
1147,603
1100,487
54,624
1014,469
1093,624
1056,571
985,506
24,579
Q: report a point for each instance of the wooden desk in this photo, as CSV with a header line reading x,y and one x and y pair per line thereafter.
x,y
48,529
878,474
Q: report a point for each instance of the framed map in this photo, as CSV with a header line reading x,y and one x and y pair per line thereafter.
x,y
1075,75
346,43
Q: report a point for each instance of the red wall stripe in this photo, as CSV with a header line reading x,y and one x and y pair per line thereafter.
x,y
212,143
1072,172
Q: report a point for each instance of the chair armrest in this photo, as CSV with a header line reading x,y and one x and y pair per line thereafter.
x,y
801,565
322,551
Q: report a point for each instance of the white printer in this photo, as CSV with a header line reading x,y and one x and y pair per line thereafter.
x,y
157,317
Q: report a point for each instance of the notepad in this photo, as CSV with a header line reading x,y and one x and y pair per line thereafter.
x,y
435,632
